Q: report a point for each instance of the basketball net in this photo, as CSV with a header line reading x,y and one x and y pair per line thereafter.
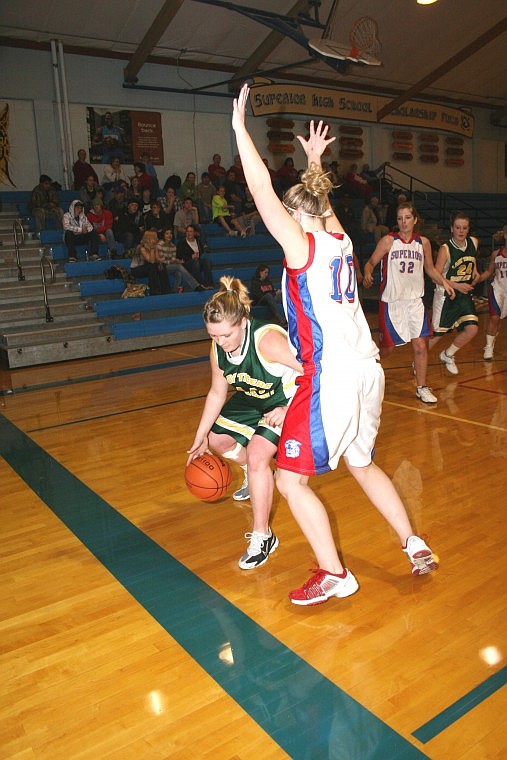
x,y
364,38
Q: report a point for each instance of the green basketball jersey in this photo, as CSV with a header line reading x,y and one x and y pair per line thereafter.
x,y
460,266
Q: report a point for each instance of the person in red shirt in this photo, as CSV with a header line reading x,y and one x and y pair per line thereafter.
x,y
102,220
82,170
216,171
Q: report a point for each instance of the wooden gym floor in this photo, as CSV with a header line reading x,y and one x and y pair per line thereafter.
x,y
128,631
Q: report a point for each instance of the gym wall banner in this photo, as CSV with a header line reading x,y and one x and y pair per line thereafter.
x,y
322,103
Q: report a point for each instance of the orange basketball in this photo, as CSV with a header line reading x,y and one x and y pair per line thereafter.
x,y
208,477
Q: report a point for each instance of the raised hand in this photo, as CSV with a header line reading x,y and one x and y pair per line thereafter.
x,y
317,142
239,107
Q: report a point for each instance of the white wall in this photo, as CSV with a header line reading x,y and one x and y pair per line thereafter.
x,y
194,127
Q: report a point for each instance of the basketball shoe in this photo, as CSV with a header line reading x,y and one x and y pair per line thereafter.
x,y
449,362
424,393
259,548
323,585
488,353
242,493
420,556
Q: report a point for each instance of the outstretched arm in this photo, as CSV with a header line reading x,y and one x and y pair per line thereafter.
x,y
285,229
314,147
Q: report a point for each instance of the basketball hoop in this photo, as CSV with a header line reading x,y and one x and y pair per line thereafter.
x,y
364,44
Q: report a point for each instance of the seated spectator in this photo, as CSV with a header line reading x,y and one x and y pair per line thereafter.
x,y
150,169
102,221
156,219
189,189
185,216
88,192
134,190
130,225
117,205
113,174
287,174
371,176
173,181
190,251
274,178
372,219
43,203
250,214
174,265
145,181
170,205
206,190
82,170
345,213
223,215
216,171
357,186
145,202
148,262
238,172
263,293
233,192
79,231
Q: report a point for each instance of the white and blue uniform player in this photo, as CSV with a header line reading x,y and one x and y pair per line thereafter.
x,y
404,257
497,294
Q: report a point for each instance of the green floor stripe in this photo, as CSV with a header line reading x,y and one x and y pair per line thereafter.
x,y
306,714
461,707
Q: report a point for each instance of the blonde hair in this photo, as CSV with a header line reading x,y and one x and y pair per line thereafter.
x,y
310,197
232,302
150,238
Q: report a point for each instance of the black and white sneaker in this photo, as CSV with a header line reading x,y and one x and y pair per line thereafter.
x,y
259,548
242,493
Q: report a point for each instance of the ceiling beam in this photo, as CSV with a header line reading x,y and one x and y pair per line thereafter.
x,y
455,60
266,47
151,38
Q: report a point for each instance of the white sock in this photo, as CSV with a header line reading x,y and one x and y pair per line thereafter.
x,y
452,350
490,340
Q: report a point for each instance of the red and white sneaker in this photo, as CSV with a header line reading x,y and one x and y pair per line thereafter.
x,y
323,585
420,556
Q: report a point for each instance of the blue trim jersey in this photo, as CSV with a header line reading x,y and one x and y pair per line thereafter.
x,y
332,340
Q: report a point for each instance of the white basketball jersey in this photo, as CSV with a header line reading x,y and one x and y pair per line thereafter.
x,y
402,270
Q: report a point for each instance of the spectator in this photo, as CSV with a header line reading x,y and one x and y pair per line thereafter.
x,y
88,192
356,185
117,205
190,251
372,219
113,174
145,202
129,225
222,213
156,219
150,169
145,181
82,170
392,211
274,177
173,181
238,172
43,203
234,193
111,139
102,221
174,265
206,190
134,190
170,205
287,174
148,262
263,293
216,171
79,231
188,215
346,215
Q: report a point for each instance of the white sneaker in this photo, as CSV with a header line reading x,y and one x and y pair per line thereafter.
x,y
449,362
488,353
424,393
233,233
321,586
242,493
420,556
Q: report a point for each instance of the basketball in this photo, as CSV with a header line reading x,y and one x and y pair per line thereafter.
x,y
208,477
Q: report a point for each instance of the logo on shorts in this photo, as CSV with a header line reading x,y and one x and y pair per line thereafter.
x,y
292,449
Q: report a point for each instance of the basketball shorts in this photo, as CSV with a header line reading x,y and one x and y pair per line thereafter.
x,y
333,414
452,314
241,420
497,302
402,321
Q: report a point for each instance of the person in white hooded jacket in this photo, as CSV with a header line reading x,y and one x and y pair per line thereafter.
x,y
79,231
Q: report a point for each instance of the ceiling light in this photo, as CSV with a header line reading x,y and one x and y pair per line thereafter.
x,y
426,2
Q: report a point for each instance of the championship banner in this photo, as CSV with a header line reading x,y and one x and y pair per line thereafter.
x,y
269,99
